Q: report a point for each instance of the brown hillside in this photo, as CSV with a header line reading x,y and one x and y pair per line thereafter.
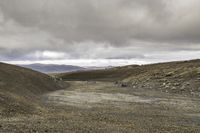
x,y
175,77
20,89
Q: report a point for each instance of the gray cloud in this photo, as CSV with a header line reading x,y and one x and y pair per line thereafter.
x,y
99,28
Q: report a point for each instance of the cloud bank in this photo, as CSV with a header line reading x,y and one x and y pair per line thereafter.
x,y
145,30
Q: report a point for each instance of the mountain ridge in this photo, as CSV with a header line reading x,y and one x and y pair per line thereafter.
x,y
52,68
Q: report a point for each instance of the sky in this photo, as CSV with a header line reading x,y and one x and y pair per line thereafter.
x,y
99,32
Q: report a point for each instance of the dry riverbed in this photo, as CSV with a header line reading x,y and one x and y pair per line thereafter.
x,y
106,107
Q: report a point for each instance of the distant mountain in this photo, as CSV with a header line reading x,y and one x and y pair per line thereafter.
x,y
52,68
97,68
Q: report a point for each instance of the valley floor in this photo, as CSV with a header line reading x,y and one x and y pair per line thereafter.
x,y
106,107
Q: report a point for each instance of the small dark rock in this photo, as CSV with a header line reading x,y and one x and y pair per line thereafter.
x,y
187,83
124,85
169,74
116,82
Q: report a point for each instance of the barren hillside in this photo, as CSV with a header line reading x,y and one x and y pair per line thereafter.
x,y
20,89
173,77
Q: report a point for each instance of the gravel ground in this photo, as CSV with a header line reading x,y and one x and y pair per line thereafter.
x,y
106,107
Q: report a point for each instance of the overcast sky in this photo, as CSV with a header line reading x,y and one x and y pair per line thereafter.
x,y
99,32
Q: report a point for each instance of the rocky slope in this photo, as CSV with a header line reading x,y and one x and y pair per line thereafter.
x,y
172,77
20,89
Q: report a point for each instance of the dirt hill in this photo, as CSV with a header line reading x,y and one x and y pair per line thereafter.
x,y
20,89
172,77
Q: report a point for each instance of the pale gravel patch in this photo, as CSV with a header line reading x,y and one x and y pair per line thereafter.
x,y
97,99
89,99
